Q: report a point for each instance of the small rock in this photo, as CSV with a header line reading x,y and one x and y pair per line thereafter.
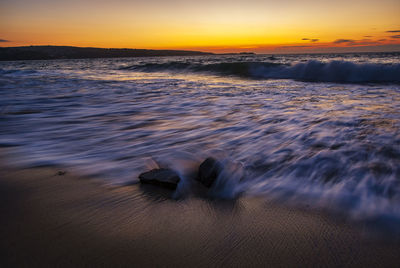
x,y
209,171
61,173
162,177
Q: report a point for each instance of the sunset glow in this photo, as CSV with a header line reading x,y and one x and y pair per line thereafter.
x,y
216,26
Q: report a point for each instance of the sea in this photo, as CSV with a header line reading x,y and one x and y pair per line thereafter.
x,y
320,130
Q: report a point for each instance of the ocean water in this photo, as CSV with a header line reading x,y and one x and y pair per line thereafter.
x,y
321,130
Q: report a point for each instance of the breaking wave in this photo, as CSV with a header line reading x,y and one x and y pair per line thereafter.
x,y
310,71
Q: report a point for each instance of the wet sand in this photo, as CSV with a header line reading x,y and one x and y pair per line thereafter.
x,y
65,220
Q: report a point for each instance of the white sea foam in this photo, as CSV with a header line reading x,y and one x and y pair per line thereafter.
x,y
310,71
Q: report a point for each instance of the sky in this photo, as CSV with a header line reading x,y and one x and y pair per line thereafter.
x,y
284,26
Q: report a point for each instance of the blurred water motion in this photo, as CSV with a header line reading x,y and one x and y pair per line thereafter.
x,y
289,135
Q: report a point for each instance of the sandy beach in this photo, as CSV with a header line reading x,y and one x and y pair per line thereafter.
x,y
49,218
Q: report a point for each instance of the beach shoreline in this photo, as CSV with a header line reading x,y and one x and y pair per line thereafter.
x,y
52,218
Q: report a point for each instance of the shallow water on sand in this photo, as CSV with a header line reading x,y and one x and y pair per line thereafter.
x,y
318,129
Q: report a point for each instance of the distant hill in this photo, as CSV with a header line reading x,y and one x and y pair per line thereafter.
x,y
68,52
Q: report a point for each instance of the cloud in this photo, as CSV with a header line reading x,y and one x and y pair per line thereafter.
x,y
395,36
393,31
353,42
367,36
4,41
343,41
310,39
380,40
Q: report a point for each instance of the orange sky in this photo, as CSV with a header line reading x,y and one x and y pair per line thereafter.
x,y
283,26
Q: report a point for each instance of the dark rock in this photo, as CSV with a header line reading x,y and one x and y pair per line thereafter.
x,y
209,171
61,173
162,177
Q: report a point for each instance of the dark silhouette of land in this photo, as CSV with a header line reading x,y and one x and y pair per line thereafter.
x,y
69,52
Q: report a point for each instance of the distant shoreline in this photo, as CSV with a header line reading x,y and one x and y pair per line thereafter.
x,y
70,52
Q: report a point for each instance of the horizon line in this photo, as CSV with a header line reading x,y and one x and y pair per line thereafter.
x,y
237,50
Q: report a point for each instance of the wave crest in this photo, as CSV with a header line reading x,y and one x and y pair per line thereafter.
x,y
310,71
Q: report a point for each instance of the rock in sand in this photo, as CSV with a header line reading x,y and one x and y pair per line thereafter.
x,y
209,171
162,177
